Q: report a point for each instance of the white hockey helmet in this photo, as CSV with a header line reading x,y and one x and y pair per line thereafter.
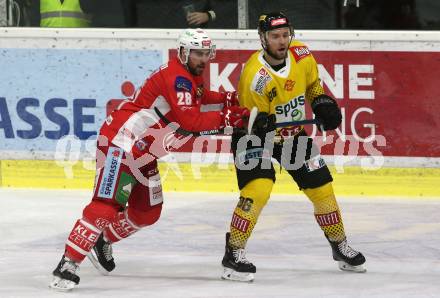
x,y
194,39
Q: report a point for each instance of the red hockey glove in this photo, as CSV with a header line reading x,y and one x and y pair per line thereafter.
x,y
231,99
235,116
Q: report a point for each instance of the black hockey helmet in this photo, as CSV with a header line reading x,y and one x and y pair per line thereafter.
x,y
272,21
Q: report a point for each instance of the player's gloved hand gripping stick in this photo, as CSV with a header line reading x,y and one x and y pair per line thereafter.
x,y
237,118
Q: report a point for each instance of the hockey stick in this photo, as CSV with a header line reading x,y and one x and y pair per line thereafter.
x,y
254,113
252,116
298,123
225,131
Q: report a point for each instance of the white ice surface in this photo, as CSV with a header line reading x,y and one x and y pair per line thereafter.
x,y
180,255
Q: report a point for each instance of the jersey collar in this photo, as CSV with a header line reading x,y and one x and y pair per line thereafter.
x,y
283,72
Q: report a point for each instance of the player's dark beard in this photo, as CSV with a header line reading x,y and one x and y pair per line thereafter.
x,y
273,55
196,71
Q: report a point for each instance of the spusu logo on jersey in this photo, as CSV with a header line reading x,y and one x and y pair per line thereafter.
x,y
293,110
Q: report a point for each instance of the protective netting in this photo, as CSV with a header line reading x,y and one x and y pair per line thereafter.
x,y
304,14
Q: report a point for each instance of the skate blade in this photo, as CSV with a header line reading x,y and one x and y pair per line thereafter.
x,y
91,256
230,274
347,267
62,285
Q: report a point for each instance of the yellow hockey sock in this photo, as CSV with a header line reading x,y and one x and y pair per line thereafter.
x,y
253,197
327,212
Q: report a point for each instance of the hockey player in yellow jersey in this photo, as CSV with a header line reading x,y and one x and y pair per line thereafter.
x,y
280,80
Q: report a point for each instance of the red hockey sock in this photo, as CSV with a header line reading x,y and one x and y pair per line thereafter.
x,y
96,217
129,222
81,240
120,227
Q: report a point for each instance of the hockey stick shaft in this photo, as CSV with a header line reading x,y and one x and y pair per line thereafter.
x,y
254,113
298,123
185,132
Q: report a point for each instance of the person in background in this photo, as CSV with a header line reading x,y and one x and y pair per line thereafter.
x,y
128,192
279,80
62,14
198,13
110,13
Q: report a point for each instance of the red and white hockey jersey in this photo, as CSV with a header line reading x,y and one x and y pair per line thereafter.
x,y
177,94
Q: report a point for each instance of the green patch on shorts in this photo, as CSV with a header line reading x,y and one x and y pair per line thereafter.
x,y
125,186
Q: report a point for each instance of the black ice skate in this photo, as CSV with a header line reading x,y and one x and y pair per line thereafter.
x,y
64,277
236,266
101,256
348,258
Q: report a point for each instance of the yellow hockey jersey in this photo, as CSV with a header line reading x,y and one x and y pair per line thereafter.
x,y
283,92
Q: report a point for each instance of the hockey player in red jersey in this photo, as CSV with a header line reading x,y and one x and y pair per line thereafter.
x,y
128,193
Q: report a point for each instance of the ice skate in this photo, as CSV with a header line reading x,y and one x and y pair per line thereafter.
x,y
101,256
348,259
64,275
236,266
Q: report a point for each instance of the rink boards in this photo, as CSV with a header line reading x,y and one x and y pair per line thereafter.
x,y
186,177
56,92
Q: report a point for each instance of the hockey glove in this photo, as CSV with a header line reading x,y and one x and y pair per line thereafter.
x,y
263,123
327,112
235,116
231,99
